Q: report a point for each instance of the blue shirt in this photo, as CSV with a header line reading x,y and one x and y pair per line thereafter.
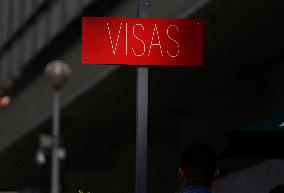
x,y
196,189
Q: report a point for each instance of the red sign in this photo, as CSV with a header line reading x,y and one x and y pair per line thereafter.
x,y
141,41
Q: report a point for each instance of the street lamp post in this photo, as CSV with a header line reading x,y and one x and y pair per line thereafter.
x,y
57,72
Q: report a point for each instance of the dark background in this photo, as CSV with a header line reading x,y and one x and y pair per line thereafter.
x,y
239,84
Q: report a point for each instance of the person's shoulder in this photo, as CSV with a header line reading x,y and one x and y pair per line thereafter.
x,y
197,189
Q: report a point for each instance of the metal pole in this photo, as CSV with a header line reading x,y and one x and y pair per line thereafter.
x,y
55,165
141,115
143,8
141,129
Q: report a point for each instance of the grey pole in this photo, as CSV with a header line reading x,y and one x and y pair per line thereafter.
x,y
141,115
141,129
57,72
55,165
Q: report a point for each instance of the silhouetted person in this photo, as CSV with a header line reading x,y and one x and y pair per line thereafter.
x,y
198,169
278,189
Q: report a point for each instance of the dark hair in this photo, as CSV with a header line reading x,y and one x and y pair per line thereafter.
x,y
198,160
278,189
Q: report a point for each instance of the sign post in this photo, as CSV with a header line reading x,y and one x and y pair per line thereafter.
x,y
142,42
141,114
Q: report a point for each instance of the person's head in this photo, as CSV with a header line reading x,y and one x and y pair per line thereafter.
x,y
278,189
198,165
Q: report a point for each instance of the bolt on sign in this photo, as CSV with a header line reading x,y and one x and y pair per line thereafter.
x,y
142,41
